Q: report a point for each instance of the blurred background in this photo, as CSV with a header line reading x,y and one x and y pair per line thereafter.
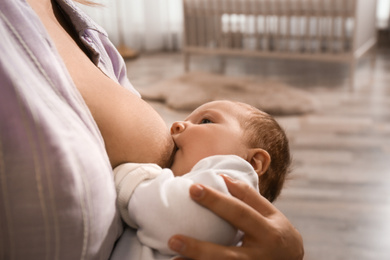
x,y
157,25
335,51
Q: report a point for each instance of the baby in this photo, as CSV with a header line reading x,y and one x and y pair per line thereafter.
x,y
220,137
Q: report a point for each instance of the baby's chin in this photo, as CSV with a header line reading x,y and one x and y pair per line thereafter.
x,y
181,164
177,170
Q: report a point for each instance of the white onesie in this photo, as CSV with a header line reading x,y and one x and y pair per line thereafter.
x,y
157,204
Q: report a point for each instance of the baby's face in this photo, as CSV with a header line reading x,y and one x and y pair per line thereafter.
x,y
212,129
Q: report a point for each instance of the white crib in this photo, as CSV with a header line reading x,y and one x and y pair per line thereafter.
x,y
323,30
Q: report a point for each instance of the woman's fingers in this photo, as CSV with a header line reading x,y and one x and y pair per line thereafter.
x,y
195,249
234,211
245,193
268,233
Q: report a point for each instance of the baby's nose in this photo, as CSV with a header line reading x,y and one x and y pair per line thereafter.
x,y
177,127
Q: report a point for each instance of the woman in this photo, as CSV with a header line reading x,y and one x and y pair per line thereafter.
x,y
55,159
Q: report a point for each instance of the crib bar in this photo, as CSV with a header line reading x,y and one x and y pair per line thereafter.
x,y
217,23
218,12
288,31
199,22
266,13
246,24
332,17
353,35
229,27
202,17
256,14
318,27
279,18
210,25
343,21
187,24
238,35
306,41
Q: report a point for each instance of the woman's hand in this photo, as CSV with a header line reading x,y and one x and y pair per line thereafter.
x,y
268,233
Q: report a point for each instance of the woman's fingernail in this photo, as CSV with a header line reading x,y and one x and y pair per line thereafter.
x,y
228,178
197,191
176,244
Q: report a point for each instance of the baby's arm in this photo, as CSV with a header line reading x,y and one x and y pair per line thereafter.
x,y
127,177
162,207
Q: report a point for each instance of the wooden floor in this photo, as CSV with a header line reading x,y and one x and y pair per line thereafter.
x,y
339,192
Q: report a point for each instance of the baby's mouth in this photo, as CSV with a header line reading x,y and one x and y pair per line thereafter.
x,y
174,150
175,146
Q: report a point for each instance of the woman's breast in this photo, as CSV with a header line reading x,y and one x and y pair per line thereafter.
x,y
132,130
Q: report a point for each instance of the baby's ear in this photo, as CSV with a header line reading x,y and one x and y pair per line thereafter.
x,y
259,159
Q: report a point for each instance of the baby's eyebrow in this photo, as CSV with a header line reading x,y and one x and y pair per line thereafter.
x,y
211,111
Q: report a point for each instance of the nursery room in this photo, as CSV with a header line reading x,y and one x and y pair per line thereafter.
x,y
319,68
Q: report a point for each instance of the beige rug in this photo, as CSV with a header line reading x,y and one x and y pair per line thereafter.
x,y
190,90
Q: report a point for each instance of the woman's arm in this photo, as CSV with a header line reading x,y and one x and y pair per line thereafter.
x,y
268,233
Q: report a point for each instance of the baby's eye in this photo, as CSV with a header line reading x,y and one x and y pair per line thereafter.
x,y
206,121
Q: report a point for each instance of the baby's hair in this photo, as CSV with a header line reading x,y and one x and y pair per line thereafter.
x,y
262,131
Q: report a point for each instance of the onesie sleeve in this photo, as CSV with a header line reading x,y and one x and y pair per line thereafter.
x,y
162,207
127,177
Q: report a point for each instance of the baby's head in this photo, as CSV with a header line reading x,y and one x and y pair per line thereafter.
x,y
226,127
